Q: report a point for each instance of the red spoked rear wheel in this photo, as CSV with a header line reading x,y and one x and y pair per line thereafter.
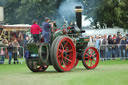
x,y
64,54
90,58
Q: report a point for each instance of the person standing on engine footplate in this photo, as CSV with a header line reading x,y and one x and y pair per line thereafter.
x,y
35,31
46,29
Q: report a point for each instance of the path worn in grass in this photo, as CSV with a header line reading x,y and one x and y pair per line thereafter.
x,y
107,73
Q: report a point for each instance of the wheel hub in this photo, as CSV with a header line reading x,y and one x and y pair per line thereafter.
x,y
91,57
64,53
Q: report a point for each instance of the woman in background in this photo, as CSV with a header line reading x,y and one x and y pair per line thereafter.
x,y
15,45
2,54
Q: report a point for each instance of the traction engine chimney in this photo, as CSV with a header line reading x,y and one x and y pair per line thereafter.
x,y
78,10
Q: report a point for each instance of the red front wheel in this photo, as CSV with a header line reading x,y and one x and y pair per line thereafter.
x,y
90,58
63,54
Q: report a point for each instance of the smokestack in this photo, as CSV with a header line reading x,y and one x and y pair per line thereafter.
x,y
78,10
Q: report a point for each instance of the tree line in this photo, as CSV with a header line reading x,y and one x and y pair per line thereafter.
x,y
110,12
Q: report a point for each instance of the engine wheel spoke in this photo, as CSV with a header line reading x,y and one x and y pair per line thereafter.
x,y
68,59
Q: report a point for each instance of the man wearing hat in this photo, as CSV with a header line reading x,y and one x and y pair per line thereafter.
x,y
46,30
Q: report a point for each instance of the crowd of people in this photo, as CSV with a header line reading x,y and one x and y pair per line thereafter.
x,y
13,48
111,46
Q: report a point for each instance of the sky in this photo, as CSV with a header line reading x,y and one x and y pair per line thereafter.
x,y
86,22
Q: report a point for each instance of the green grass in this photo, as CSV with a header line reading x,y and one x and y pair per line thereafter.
x,y
112,72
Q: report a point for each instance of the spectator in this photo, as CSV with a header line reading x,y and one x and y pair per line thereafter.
x,y
114,37
114,48
5,41
101,50
97,44
21,42
25,47
118,38
110,42
15,45
123,47
91,41
118,33
26,42
10,48
126,46
103,47
2,54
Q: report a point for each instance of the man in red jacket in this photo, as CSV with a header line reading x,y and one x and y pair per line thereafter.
x,y
35,31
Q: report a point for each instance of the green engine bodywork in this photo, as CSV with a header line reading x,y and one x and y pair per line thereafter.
x,y
80,42
33,48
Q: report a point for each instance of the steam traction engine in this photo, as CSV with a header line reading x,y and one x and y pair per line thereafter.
x,y
64,51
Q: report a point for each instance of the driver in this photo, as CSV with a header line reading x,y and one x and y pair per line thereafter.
x,y
46,29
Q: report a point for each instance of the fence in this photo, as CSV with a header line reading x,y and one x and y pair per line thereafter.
x,y
5,57
113,51
108,51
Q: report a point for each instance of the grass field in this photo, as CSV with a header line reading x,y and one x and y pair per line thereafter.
x,y
113,72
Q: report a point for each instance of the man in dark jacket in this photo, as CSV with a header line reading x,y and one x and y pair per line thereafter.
x,y
10,48
123,47
110,42
46,29
118,39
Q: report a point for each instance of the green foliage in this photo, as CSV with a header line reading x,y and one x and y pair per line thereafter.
x,y
113,13
10,8
2,2
24,11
